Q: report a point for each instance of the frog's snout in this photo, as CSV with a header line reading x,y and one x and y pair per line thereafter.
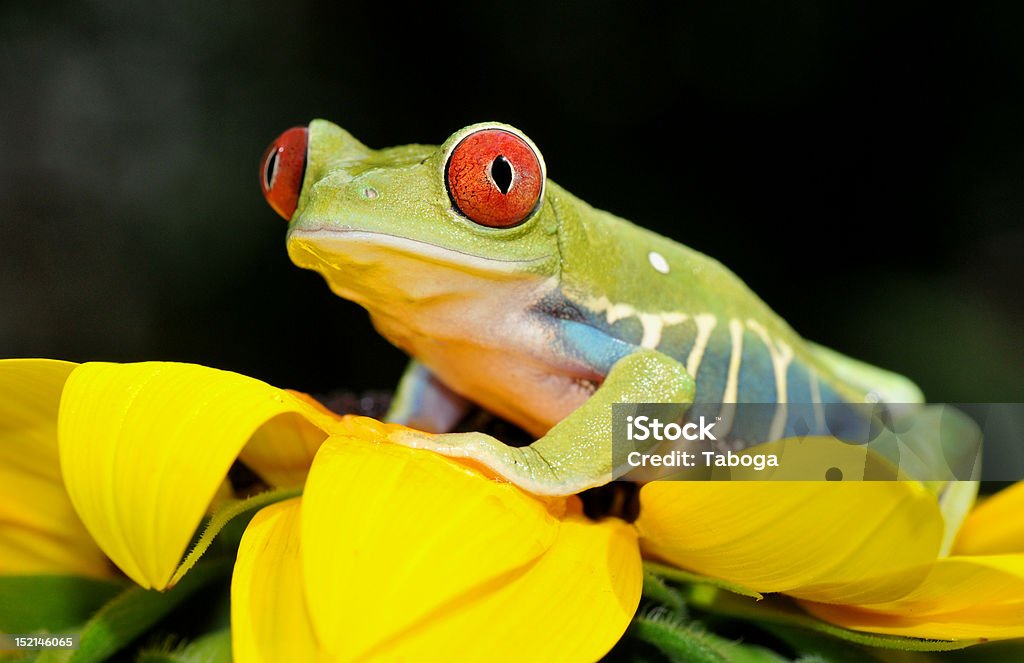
x,y
282,169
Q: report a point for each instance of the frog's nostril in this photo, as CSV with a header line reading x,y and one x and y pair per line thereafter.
x,y
282,169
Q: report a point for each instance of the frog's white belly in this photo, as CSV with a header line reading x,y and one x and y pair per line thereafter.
x,y
501,358
468,319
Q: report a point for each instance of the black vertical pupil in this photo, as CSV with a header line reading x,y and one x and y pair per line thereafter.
x,y
268,175
501,173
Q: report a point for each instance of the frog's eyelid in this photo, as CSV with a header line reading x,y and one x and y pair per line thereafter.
x,y
270,171
283,170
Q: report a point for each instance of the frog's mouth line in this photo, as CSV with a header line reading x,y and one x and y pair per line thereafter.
x,y
344,243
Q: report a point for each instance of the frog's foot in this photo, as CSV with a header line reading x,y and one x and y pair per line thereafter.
x,y
523,466
577,453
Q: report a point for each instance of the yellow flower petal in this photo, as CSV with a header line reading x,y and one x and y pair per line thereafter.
x,y
994,526
843,542
269,618
573,604
144,447
41,533
282,450
408,553
961,598
401,532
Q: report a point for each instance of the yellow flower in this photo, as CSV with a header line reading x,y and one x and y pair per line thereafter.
x,y
863,555
397,552
390,552
41,533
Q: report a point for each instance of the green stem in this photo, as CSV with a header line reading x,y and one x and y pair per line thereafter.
x,y
222,517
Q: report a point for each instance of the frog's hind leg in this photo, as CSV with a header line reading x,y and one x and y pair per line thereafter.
x,y
577,453
424,402
884,385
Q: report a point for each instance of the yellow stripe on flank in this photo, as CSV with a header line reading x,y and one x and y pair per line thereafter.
x,y
731,393
652,323
781,355
732,381
705,325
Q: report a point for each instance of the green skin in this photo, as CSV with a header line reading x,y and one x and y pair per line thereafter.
x,y
546,324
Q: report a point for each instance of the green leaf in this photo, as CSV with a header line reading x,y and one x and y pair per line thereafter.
x,y
677,641
813,646
213,647
678,575
690,642
51,603
740,653
778,610
656,590
148,656
132,613
992,652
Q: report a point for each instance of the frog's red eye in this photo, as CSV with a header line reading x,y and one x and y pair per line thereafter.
x,y
494,178
282,168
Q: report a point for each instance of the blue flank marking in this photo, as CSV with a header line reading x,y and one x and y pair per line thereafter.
x,y
757,375
756,384
714,367
711,374
677,340
591,346
800,417
840,418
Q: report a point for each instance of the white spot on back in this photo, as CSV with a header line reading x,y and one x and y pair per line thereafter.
x,y
658,262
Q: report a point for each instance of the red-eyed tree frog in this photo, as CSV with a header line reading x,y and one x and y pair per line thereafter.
x,y
509,292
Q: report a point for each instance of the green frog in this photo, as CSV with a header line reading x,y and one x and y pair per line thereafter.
x,y
510,293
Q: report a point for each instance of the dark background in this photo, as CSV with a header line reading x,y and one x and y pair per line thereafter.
x,y
862,169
